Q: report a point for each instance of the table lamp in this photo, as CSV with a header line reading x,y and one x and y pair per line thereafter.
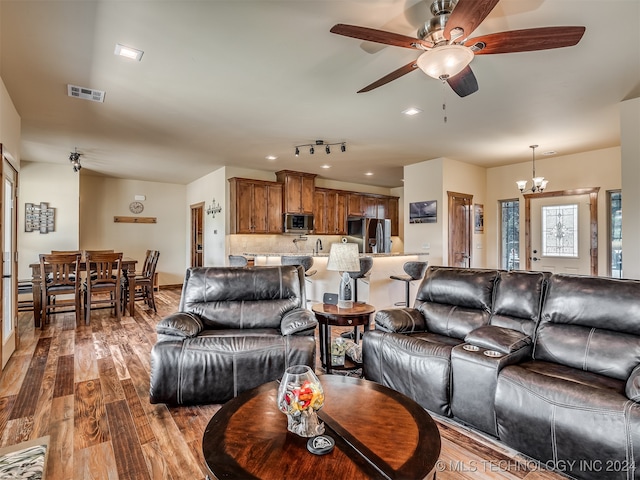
x,y
345,258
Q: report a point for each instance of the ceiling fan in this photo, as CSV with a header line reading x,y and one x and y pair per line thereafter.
x,y
447,48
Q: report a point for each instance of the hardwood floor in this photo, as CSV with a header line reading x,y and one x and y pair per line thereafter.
x,y
87,388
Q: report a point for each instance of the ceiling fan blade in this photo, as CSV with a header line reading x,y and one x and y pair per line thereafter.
x,y
528,40
379,36
409,67
464,83
467,15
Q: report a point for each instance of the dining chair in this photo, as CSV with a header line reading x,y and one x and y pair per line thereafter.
x,y
105,268
144,290
60,280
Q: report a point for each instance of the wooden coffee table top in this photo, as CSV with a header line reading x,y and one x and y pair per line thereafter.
x,y
248,438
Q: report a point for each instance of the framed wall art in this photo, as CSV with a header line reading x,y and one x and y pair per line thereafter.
x,y
39,217
478,217
423,212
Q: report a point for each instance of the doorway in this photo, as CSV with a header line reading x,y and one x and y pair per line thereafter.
x,y
9,261
197,235
460,228
561,231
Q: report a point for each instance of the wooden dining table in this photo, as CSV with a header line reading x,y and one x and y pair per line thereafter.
x,y
128,268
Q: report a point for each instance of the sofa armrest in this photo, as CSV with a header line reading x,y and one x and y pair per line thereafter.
x,y
632,389
499,339
180,324
400,320
298,321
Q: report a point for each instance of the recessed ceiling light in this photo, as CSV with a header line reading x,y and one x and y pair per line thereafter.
x,y
369,174
412,111
550,152
325,166
270,157
128,52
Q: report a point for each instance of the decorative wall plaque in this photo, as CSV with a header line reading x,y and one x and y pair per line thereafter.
x,y
39,217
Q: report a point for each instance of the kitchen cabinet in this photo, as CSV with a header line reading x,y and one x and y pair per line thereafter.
x,y
382,207
257,205
394,213
330,212
298,191
355,205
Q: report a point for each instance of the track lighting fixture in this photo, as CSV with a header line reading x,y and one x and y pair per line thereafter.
x,y
74,158
327,149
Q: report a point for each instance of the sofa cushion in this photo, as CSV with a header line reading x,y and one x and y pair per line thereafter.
x,y
180,324
518,300
592,324
469,288
242,297
401,320
452,320
577,421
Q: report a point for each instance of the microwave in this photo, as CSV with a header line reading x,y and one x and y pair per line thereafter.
x,y
297,223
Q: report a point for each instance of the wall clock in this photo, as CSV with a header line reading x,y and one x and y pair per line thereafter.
x,y
136,207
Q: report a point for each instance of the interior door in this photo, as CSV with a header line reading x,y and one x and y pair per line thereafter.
x,y
560,229
460,210
9,261
197,238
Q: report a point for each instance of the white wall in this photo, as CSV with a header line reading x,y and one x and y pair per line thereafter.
x,y
423,181
205,189
630,159
59,186
102,198
9,127
599,168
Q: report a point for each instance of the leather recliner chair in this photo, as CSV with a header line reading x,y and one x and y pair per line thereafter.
x,y
236,328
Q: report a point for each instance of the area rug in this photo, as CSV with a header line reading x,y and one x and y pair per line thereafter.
x,y
25,461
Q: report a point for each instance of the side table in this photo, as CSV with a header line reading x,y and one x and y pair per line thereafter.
x,y
330,315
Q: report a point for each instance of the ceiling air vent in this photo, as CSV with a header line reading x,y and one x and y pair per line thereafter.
x,y
85,93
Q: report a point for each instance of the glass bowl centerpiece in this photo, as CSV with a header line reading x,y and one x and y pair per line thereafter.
x,y
300,396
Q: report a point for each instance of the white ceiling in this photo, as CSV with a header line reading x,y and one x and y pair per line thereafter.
x,y
229,82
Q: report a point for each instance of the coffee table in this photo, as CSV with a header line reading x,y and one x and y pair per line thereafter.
x,y
328,315
379,434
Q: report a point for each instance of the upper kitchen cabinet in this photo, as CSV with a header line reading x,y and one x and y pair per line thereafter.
x,y
257,204
297,195
330,212
394,212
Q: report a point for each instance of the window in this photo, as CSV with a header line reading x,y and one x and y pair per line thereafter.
x,y
560,231
614,206
509,234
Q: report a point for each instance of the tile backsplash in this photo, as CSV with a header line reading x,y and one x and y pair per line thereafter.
x,y
240,244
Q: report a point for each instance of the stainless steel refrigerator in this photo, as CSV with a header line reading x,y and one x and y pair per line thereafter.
x,y
371,234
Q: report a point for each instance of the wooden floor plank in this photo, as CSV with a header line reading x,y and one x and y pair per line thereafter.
x,y
90,386
90,421
130,460
30,389
96,463
64,376
61,454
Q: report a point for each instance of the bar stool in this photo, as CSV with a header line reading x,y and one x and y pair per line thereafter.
x,y
366,263
306,261
414,271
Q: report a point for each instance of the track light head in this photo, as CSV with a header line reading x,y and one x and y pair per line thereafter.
x,y
312,150
297,152
343,148
327,149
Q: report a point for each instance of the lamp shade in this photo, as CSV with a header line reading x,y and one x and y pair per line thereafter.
x,y
445,61
344,257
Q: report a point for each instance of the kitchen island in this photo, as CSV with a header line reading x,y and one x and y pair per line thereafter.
x,y
378,290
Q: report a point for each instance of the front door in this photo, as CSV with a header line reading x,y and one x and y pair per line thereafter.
x,y
9,261
562,230
460,209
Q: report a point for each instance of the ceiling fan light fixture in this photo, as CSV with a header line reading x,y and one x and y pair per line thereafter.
x,y
445,61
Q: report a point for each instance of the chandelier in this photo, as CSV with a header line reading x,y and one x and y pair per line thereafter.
x,y
538,184
214,208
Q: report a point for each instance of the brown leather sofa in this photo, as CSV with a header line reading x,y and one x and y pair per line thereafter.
x,y
236,328
548,364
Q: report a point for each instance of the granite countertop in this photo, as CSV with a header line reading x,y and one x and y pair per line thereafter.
x,y
323,254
